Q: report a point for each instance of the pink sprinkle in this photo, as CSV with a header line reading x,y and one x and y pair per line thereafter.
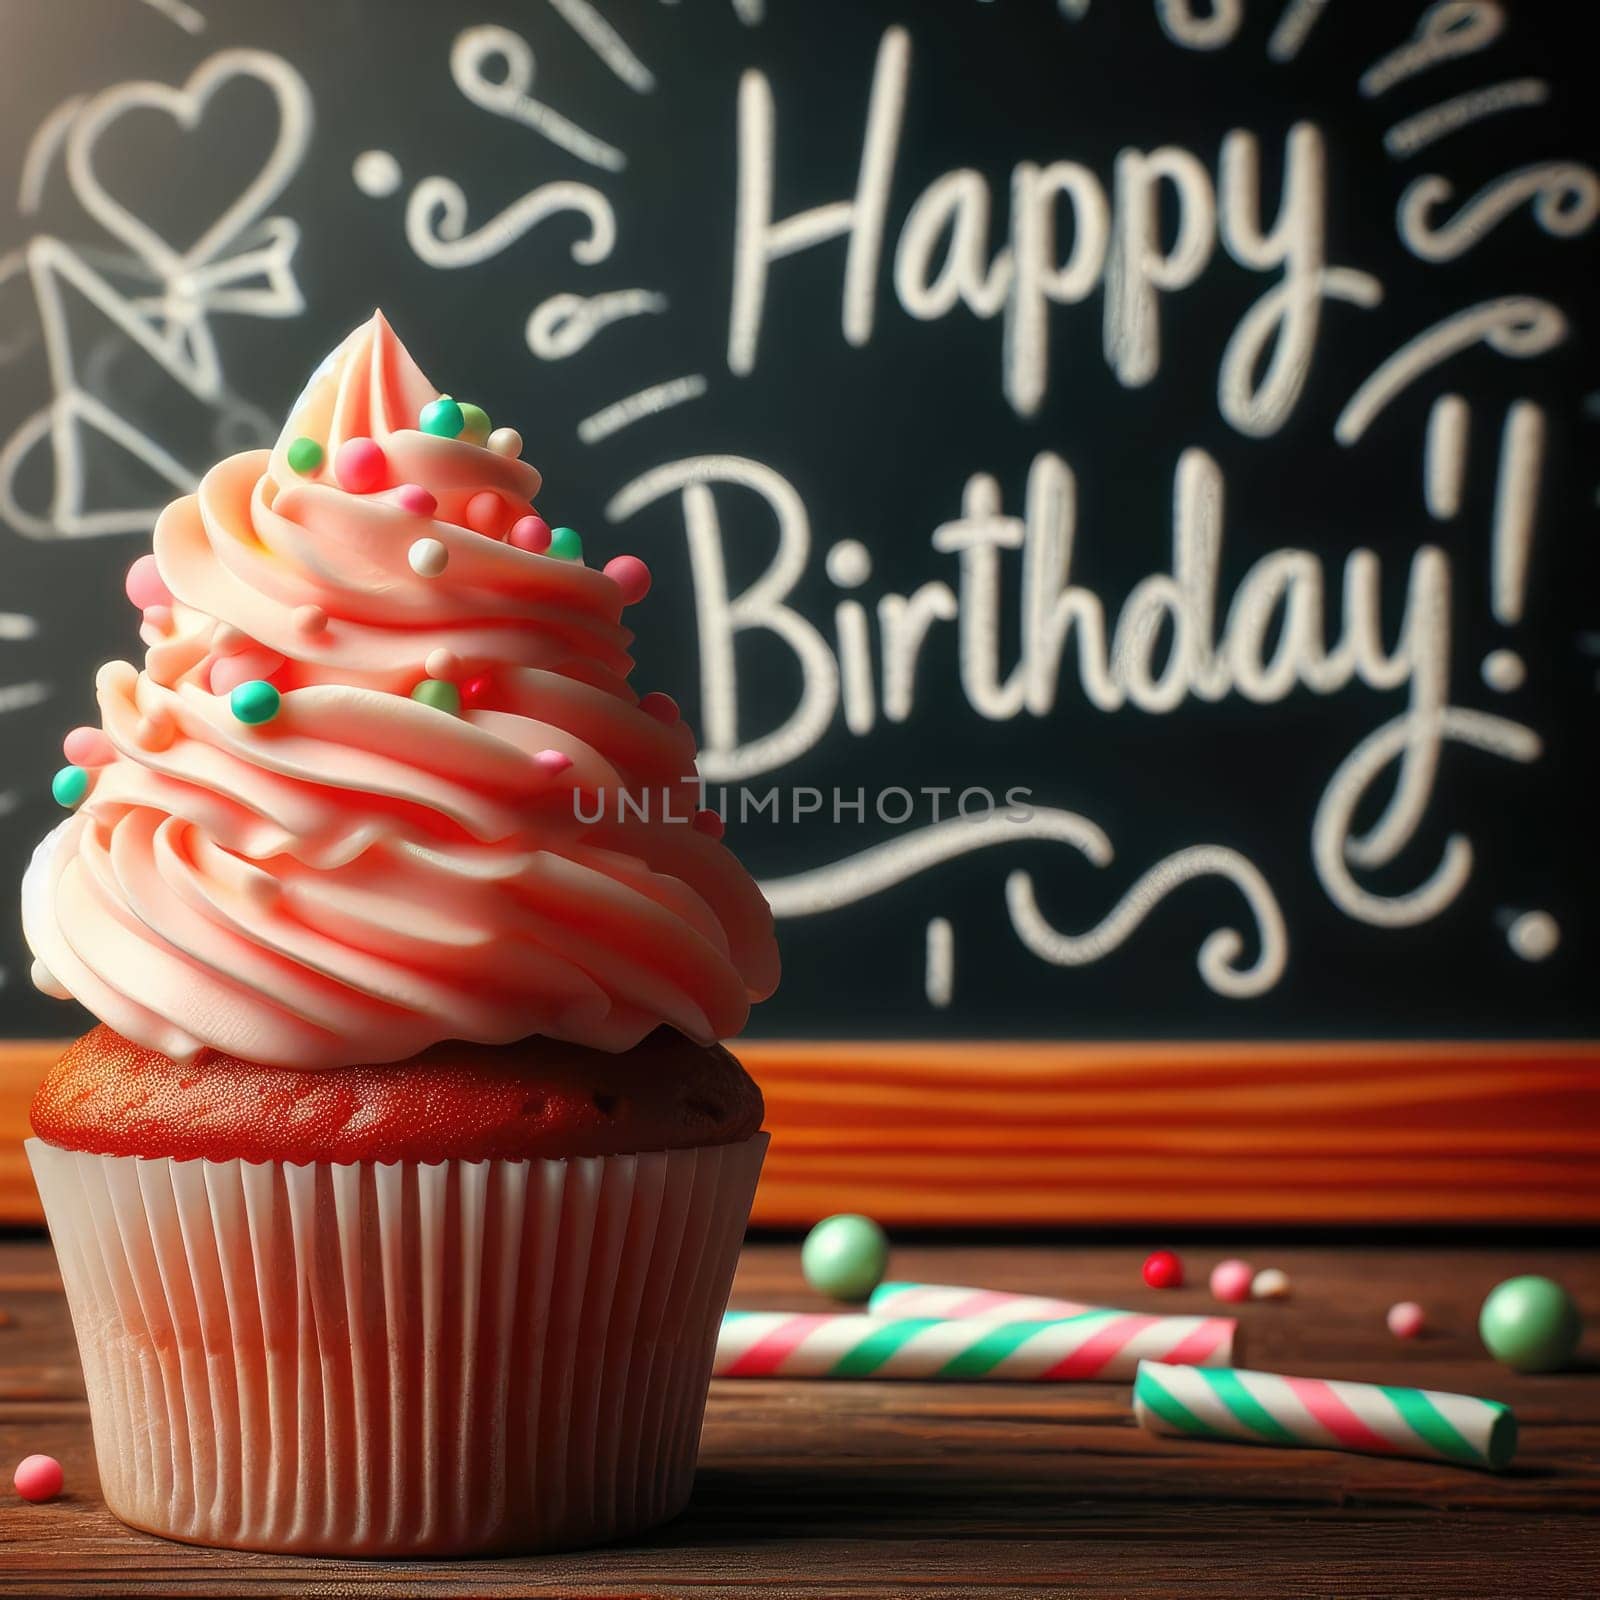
x,y
709,823
660,706
360,466
530,533
38,1478
552,762
144,586
488,514
228,672
631,576
1405,1319
87,747
1231,1280
309,619
442,664
414,498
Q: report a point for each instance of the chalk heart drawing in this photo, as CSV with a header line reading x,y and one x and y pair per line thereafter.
x,y
187,106
241,263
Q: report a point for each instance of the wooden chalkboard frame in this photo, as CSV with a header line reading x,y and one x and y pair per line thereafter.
x,y
1044,1134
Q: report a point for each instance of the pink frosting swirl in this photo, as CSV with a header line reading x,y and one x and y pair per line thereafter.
x,y
365,875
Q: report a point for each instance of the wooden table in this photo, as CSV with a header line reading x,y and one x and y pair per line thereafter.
x,y
873,1489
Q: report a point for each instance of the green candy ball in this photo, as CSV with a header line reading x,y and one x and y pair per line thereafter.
x,y
255,702
443,417
565,543
475,423
845,1256
69,786
1530,1324
438,693
305,456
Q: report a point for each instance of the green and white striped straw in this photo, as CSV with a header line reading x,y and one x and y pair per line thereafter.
x,y
1324,1414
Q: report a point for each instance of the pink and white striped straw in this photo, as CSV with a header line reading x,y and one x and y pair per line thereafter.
x,y
954,1300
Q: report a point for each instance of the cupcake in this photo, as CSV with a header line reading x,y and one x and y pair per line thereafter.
x,y
398,1194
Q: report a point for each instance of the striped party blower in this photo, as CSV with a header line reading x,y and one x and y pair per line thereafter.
x,y
1322,1414
1092,1344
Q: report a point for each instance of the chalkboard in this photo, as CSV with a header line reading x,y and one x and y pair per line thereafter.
x,y
1172,420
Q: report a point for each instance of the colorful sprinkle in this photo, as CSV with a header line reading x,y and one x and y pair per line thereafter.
x,y
414,498
361,466
845,1256
305,456
488,513
69,786
552,762
506,442
144,586
1271,1283
1163,1269
565,544
428,558
38,1478
476,689
87,747
530,533
475,423
255,702
442,664
440,695
1231,1280
709,823
1405,1319
631,576
309,619
660,706
442,417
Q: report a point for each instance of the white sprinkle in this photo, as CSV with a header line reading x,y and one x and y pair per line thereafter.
x,y
1504,671
377,173
1270,1283
505,442
428,558
1535,936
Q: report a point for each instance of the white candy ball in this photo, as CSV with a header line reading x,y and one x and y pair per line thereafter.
x,y
505,442
1270,1283
428,558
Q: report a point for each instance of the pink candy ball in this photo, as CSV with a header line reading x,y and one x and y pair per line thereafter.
x,y
631,576
361,466
1230,1280
87,747
552,762
143,584
488,514
414,498
38,1478
530,533
1405,1319
660,706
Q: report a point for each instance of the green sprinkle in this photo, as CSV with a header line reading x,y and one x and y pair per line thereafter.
x,y
565,544
305,456
255,702
475,424
438,693
69,786
443,417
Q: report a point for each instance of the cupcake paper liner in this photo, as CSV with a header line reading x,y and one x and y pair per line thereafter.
x,y
398,1359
